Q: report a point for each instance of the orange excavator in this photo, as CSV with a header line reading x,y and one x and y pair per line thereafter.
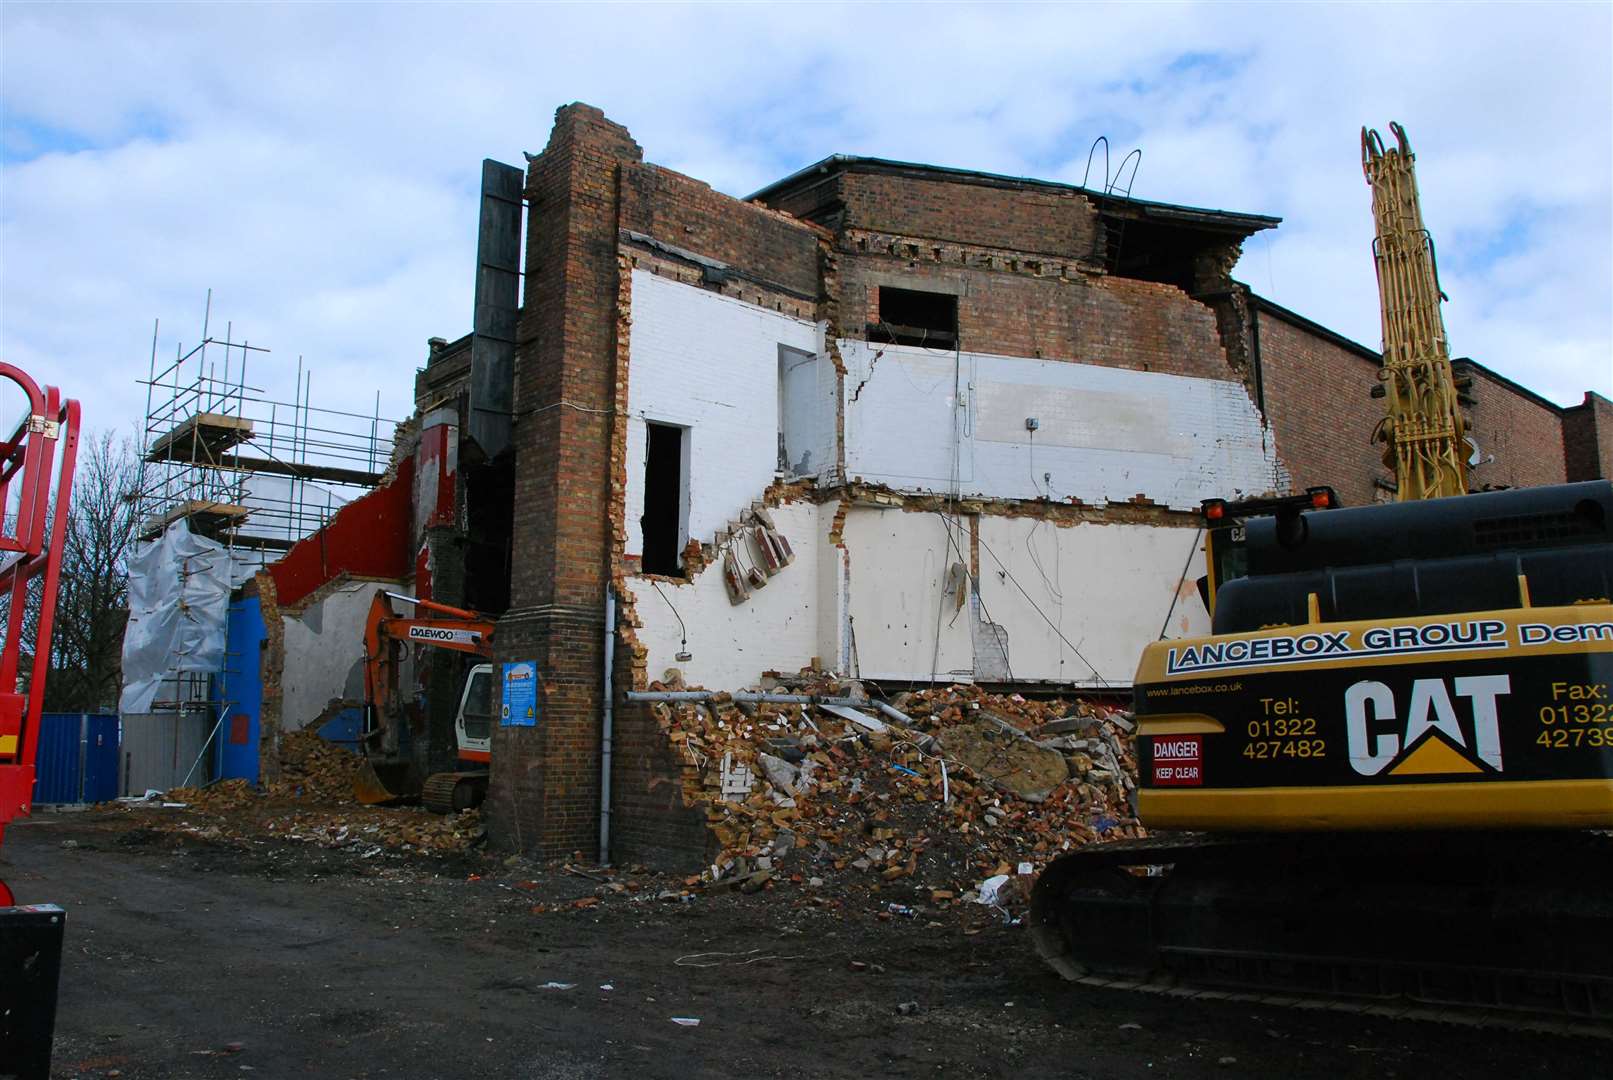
x,y
390,774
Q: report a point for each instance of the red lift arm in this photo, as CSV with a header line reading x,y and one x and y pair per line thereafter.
x,y
45,442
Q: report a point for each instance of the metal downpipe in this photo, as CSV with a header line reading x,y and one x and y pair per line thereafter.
x,y
607,727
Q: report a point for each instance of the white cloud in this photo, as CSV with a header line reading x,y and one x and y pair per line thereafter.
x,y
316,165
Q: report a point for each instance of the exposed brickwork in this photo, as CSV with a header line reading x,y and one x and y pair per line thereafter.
x,y
270,669
650,822
1317,391
766,244
688,273
1115,322
1030,219
1588,439
544,794
1318,400
1522,432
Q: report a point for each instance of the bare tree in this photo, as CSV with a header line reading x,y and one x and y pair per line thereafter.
x,y
92,603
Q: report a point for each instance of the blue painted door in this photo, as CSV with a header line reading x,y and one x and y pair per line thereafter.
x,y
56,769
100,758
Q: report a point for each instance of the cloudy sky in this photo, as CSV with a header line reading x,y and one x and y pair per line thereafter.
x,y
316,165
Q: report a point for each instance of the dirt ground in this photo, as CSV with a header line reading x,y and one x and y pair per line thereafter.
x,y
195,957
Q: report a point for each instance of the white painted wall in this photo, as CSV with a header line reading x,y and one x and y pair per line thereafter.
x,y
807,409
712,364
1105,434
709,363
1106,587
324,653
777,629
898,570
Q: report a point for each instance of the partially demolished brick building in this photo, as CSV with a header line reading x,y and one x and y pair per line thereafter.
x,y
901,423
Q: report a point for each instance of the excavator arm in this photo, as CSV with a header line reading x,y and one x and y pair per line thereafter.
x,y
1423,431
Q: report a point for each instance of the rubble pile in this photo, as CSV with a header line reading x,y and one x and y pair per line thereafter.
x,y
407,829
312,802
311,768
970,786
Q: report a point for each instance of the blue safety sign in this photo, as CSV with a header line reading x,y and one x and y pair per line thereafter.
x,y
520,708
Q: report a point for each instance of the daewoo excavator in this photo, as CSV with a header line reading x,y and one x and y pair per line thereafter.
x,y
1383,771
390,775
33,531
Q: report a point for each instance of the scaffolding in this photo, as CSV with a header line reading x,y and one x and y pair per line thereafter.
x,y
238,465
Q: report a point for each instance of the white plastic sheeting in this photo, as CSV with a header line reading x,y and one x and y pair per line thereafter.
x,y
179,600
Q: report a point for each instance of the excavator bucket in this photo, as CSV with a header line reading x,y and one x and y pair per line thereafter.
x,y
385,783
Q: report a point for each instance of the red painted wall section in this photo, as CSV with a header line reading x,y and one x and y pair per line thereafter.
x,y
369,537
436,470
422,572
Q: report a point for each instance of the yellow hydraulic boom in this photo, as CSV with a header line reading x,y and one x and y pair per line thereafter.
x,y
1423,433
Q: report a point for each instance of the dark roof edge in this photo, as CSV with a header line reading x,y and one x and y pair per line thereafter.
x,y
1296,319
1517,388
846,162
1311,326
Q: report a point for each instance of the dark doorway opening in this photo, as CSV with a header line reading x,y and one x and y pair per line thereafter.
x,y
914,317
665,481
489,526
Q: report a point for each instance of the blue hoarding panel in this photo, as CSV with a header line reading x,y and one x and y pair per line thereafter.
x,y
239,690
77,759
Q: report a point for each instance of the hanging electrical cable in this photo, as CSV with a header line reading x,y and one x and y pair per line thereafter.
x,y
684,655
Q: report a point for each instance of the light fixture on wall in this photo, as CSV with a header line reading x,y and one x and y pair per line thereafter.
x,y
683,655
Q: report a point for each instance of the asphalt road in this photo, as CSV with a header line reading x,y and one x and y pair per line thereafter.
x,y
190,959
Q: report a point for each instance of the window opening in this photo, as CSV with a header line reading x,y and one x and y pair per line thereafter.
x,y
666,482
479,706
798,400
915,317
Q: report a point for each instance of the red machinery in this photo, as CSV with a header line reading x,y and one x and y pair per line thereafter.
x,y
30,547
33,526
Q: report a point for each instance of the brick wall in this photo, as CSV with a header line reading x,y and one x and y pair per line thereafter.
x,y
1523,432
1111,321
587,187
1030,219
1317,391
1588,439
1317,396
544,793
677,210
649,822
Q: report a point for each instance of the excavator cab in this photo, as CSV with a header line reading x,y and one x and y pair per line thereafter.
x,y
1226,532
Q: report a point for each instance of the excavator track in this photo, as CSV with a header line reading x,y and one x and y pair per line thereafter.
x,y
451,792
1517,923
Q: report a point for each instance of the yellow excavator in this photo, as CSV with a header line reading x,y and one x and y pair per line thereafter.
x,y
1384,772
